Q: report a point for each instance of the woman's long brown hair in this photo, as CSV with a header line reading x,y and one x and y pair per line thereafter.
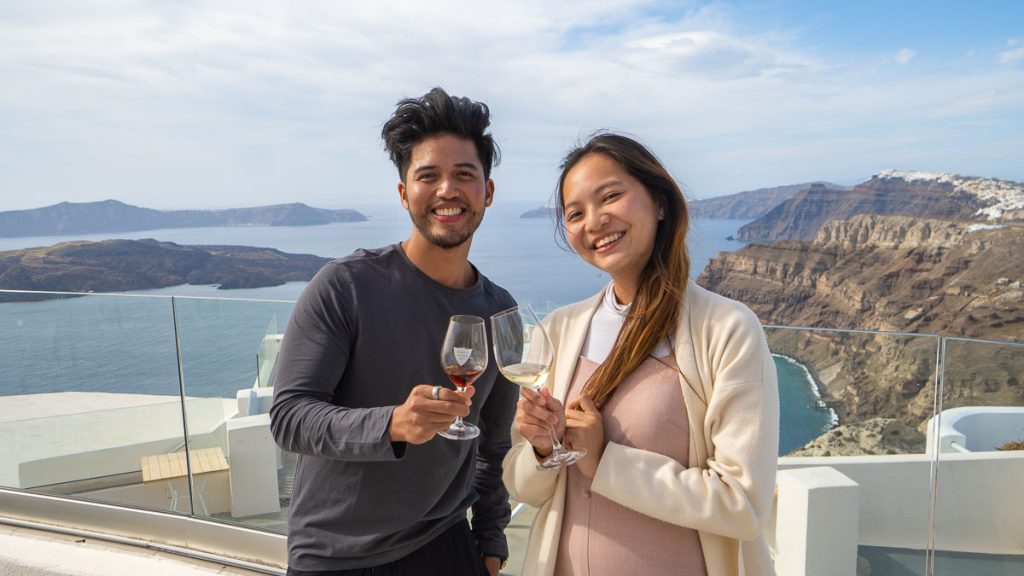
x,y
654,312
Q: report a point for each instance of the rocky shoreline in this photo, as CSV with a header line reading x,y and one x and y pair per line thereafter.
x,y
812,384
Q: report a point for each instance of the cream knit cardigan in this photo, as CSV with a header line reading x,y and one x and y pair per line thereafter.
x,y
729,385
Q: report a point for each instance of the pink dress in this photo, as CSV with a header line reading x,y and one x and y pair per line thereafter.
x,y
602,538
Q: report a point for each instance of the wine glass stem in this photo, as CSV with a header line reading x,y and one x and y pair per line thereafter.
x,y
458,419
556,446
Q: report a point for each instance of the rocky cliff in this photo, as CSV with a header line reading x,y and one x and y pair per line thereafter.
x,y
885,273
112,216
891,273
120,265
752,203
539,212
919,194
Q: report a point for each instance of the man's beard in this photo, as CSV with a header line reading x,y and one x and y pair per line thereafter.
x,y
448,240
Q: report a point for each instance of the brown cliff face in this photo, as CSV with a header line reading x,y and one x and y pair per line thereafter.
x,y
890,273
800,217
884,273
752,203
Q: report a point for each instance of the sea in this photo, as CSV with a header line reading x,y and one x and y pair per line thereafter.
x,y
125,343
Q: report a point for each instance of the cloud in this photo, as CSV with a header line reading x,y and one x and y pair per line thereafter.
x,y
1011,55
905,55
227,103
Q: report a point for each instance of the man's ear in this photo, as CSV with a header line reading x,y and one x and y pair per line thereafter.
x,y
489,194
402,195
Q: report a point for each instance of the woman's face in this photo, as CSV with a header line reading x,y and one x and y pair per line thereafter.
x,y
610,218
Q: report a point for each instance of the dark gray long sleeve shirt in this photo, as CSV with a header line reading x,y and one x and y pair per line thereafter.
x,y
367,329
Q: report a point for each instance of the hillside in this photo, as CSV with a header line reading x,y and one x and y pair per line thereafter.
x,y
120,265
539,212
111,216
752,203
926,195
884,273
891,273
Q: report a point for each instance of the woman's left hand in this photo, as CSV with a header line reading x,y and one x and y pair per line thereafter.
x,y
584,428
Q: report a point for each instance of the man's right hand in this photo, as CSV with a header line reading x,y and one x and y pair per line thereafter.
x,y
421,417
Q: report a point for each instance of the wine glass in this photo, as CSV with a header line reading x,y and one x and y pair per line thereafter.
x,y
464,358
524,354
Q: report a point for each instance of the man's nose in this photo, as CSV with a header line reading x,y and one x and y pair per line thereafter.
x,y
446,187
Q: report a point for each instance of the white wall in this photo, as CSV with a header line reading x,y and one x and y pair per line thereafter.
x,y
980,504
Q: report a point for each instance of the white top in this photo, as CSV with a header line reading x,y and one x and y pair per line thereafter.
x,y
605,327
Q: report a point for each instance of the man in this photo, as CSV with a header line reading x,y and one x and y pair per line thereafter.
x,y
357,393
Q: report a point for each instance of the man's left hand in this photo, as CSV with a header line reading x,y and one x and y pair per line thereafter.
x,y
493,564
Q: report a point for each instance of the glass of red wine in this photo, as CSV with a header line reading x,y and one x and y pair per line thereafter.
x,y
463,359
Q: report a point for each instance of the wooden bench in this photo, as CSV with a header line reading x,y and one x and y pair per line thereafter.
x,y
167,467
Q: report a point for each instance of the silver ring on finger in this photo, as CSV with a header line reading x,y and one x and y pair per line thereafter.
x,y
436,393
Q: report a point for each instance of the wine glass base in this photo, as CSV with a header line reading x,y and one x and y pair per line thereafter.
x,y
460,431
561,459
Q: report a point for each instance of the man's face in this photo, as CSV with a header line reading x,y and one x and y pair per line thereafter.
x,y
445,190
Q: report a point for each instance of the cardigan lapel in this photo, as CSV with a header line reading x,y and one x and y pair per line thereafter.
x,y
695,393
569,347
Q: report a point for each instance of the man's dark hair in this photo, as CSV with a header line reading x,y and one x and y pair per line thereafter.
x,y
433,114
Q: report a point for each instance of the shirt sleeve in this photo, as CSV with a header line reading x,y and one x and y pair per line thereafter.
x,y
491,511
313,357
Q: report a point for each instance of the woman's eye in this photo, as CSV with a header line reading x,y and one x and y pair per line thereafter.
x,y
612,196
572,216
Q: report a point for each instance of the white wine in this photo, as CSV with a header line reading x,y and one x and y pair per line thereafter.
x,y
525,373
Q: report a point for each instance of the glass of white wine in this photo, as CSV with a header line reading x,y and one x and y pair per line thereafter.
x,y
464,359
524,355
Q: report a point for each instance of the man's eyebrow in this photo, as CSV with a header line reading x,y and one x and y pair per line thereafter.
x,y
472,165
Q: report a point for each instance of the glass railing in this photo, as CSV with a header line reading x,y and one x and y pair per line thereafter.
x,y
91,403
859,402
979,442
266,357
154,403
934,497
853,393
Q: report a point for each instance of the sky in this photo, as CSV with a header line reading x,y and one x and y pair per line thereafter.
x,y
218,104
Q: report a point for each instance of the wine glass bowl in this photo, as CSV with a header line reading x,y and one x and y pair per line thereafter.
x,y
464,359
524,354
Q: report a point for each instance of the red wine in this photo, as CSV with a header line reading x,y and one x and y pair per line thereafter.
x,y
463,376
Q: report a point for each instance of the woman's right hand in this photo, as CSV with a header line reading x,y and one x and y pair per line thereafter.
x,y
534,413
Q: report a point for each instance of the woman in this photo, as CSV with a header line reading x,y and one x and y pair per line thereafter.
x,y
670,389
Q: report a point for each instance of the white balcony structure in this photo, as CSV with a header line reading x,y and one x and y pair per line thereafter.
x,y
976,428
70,463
